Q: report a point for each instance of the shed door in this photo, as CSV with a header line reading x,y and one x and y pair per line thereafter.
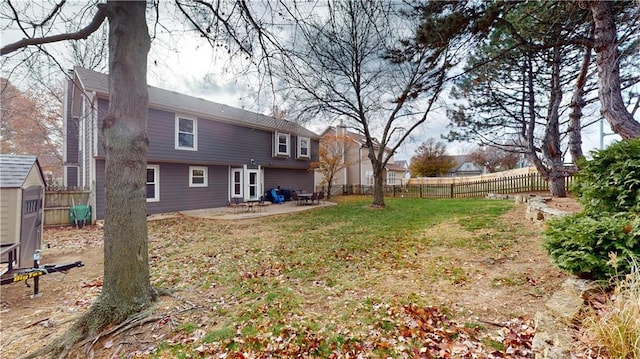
x,y
30,233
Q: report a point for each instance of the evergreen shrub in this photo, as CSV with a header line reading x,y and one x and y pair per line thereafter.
x,y
608,187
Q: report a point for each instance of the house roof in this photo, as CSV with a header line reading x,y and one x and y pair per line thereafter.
x,y
99,83
461,160
402,163
357,137
14,169
395,167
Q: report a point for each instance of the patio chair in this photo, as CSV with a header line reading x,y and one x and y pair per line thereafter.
x,y
320,196
262,204
314,197
235,204
277,198
295,198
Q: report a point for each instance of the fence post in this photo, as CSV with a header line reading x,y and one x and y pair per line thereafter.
x,y
452,190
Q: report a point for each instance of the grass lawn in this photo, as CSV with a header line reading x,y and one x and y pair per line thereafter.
x,y
349,279
455,278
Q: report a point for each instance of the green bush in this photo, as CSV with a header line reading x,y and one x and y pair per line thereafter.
x,y
581,244
608,186
610,182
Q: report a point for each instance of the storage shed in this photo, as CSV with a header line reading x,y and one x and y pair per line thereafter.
x,y
22,187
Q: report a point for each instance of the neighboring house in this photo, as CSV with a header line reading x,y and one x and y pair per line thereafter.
x,y
464,167
404,164
360,171
22,185
201,154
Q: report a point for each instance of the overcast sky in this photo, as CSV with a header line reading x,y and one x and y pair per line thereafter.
x,y
182,62
203,71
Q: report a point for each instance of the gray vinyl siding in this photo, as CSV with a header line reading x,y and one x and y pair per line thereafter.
x,y
86,151
218,143
71,152
71,128
72,141
288,179
71,176
175,193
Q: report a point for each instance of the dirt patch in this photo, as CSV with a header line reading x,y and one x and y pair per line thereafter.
x,y
63,296
496,279
567,204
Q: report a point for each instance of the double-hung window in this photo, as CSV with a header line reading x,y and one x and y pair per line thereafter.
x,y
153,183
303,147
391,178
186,133
236,182
198,176
282,144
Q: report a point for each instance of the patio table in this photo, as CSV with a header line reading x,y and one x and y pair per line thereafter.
x,y
306,197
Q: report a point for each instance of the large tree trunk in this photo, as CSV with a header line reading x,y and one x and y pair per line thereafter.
x,y
127,287
551,142
529,113
611,103
329,185
378,180
577,104
378,188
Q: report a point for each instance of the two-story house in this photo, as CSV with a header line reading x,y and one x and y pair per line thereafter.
x,y
464,167
201,154
359,170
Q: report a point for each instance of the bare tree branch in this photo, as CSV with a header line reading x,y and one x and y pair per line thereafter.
x,y
95,24
53,13
17,17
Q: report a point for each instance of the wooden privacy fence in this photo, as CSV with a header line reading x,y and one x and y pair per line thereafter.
x,y
461,188
58,200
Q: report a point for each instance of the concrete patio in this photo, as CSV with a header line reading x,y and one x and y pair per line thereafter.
x,y
230,213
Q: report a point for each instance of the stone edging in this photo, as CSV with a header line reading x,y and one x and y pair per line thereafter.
x,y
553,338
537,208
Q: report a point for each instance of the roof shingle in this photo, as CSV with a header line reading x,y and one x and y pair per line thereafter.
x,y
14,169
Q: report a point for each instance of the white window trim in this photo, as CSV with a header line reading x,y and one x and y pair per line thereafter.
x,y
370,179
300,139
257,185
391,178
205,171
156,177
177,132
277,144
240,182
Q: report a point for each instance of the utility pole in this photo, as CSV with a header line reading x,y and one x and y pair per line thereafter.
x,y
603,134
